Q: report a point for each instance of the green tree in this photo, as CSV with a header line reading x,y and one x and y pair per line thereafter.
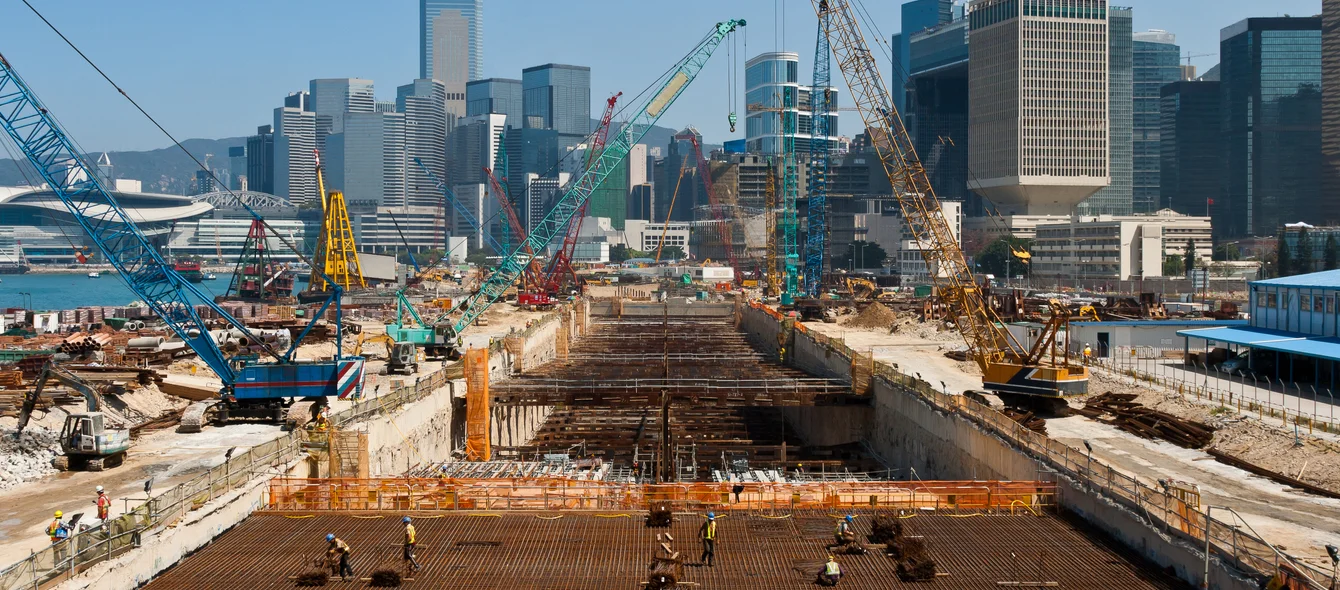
x,y
477,258
866,254
1173,266
998,258
1283,258
1227,252
1189,264
1331,254
1303,253
621,253
672,253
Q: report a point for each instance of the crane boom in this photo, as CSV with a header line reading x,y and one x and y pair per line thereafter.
x,y
645,115
1005,364
562,263
816,238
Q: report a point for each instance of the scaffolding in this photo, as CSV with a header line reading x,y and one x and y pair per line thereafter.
x,y
477,405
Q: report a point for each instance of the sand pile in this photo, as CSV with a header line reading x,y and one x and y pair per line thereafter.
x,y
27,458
873,316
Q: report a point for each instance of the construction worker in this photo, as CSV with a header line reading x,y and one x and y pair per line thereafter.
x,y
708,533
104,504
338,548
410,541
831,573
1088,352
57,529
844,534
322,422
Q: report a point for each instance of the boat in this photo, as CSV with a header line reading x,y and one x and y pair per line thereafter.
x,y
94,275
189,270
209,276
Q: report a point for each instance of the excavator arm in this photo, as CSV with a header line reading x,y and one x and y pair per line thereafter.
x,y
53,371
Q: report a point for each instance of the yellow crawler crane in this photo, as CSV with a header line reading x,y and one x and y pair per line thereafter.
x,y
336,251
1020,375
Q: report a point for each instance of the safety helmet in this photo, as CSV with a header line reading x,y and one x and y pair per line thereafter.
x,y
830,558
405,520
711,516
849,518
330,537
99,488
59,514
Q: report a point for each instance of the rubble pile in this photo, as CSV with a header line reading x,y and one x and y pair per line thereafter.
x,y
27,458
874,315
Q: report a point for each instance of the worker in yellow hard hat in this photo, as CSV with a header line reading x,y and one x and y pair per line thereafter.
x,y
57,530
831,573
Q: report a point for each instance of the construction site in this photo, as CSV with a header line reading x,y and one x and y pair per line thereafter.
x,y
763,422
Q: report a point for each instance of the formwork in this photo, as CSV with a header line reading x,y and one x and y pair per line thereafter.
x,y
575,550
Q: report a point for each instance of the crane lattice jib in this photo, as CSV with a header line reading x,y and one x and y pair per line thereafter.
x,y
816,239
912,188
725,230
562,263
790,223
500,165
552,225
135,258
532,272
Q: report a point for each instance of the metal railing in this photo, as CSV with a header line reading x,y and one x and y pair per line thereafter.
x,y
1235,546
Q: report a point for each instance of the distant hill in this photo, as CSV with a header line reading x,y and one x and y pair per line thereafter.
x,y
165,170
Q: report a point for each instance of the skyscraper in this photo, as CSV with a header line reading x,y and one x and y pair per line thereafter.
x,y
367,160
1115,198
331,98
423,102
531,153
558,97
1271,125
1191,162
474,146
294,156
261,160
1329,209
1155,58
237,165
1038,103
772,82
473,13
937,110
451,57
918,15
495,96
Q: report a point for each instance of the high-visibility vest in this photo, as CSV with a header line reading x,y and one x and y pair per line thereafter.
x,y
409,533
53,530
841,528
711,530
831,569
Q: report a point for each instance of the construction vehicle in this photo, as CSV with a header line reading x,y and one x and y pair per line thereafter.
x,y
643,116
86,440
401,357
861,289
251,388
1017,374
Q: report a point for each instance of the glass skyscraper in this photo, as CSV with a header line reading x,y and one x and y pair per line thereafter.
x,y
557,97
1270,73
495,96
1192,152
473,11
1115,198
772,80
918,15
1156,63
937,110
1330,118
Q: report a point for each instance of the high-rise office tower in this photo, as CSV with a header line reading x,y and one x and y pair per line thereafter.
x,y
451,57
1038,103
237,165
472,11
918,15
331,98
937,110
772,82
261,160
1330,118
531,153
1155,57
367,160
558,97
1191,159
474,147
679,184
295,160
1116,197
424,104
1271,124
495,96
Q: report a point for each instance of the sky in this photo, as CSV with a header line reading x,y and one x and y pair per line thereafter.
x,y
213,69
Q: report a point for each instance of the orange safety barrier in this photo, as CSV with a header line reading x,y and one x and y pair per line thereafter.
x,y
477,405
429,494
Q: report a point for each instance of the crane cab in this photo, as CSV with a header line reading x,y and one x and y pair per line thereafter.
x,y
88,444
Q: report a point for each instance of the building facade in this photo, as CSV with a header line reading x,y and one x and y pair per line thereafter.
x,y
424,106
472,12
367,159
261,160
937,110
1116,197
332,98
558,97
294,158
1270,74
1329,209
1155,64
917,16
1191,152
1115,247
776,102
1038,98
495,96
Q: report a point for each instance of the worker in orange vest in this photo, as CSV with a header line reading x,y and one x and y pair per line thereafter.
x,y
104,505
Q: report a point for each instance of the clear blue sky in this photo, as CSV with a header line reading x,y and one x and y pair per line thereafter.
x,y
217,68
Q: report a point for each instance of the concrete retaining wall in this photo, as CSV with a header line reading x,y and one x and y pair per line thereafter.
x,y
675,307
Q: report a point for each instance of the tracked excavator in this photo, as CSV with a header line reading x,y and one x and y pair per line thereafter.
x,y
88,441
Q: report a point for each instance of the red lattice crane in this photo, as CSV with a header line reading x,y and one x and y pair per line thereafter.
x,y
562,263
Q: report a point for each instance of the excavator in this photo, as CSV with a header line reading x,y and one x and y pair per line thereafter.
x,y
401,357
87,440
1018,375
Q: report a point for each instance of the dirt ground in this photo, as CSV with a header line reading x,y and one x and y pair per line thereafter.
x,y
1302,522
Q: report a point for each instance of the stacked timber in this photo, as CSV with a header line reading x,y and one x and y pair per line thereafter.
x,y
1121,410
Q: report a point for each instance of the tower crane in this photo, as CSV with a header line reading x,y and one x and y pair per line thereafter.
x,y
645,114
250,388
816,237
1012,371
788,225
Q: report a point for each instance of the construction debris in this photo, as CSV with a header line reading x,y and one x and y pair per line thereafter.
x,y
660,515
1228,459
874,315
1120,410
914,564
317,578
1027,419
385,579
884,529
